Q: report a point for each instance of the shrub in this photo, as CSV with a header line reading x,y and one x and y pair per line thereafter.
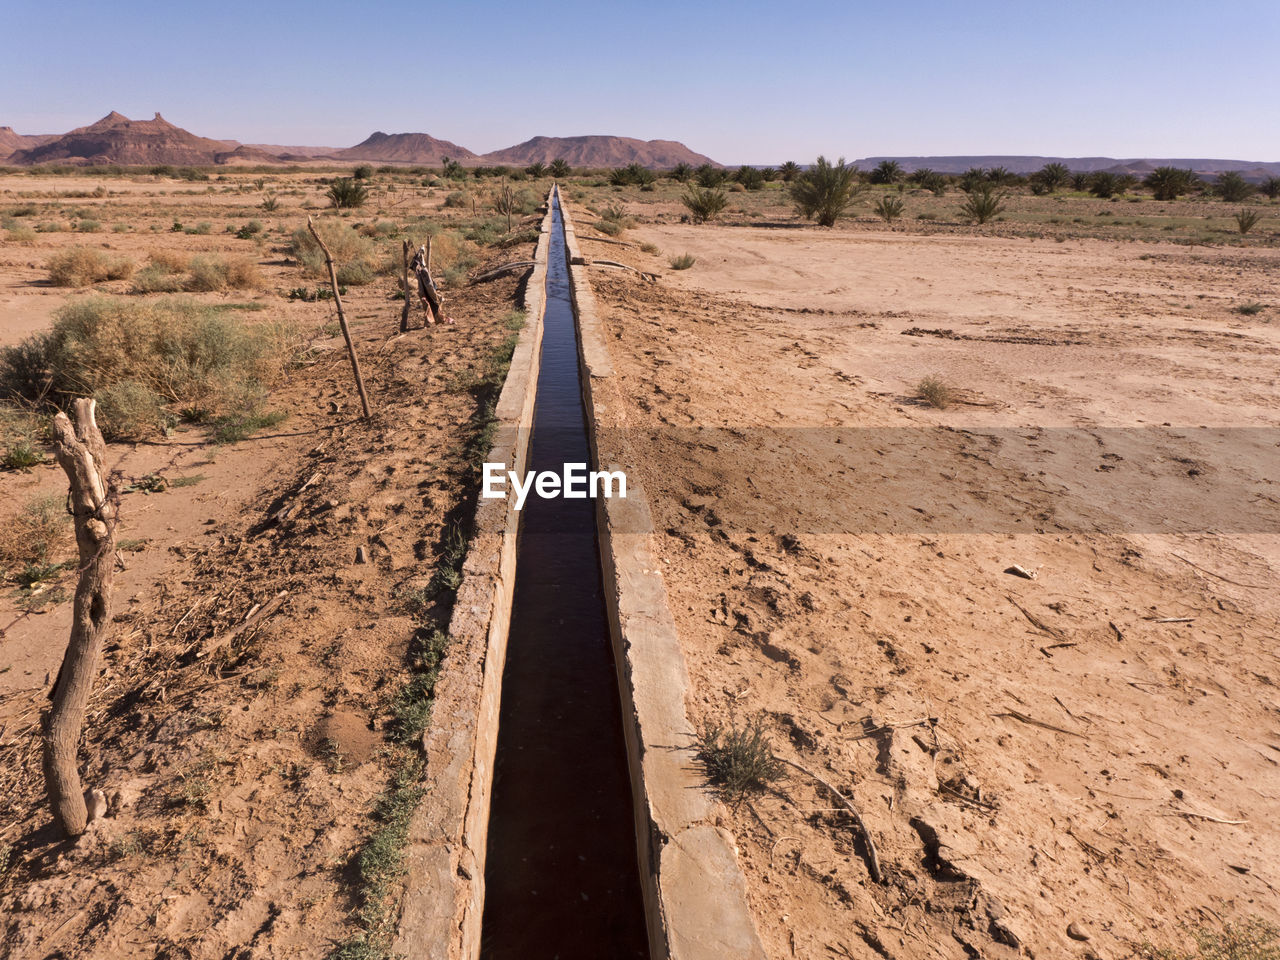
x,y
36,533
156,279
681,172
633,174
20,234
1053,176
1232,187
345,244
88,226
270,203
982,203
887,171
934,392
1246,220
888,208
825,190
616,213
144,360
1249,309
82,266
789,171
362,172
1271,187
536,169
250,230
560,168
709,177
704,203
1169,183
173,261
22,455
683,262
750,177
738,760
211,273
347,193
457,198
972,178
1251,939
1104,185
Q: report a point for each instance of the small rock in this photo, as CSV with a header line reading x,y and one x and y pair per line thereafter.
x,y
96,803
1078,931
362,555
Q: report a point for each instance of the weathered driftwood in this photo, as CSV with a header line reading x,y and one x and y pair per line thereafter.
x,y
505,268
81,452
873,858
342,320
615,265
255,617
619,243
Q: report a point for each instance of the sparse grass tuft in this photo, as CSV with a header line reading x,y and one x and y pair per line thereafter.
x,y
236,427
1251,939
738,760
22,455
683,262
1250,309
934,392
38,531
1246,220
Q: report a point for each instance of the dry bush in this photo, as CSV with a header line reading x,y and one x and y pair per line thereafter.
x,y
935,393
174,261
156,279
211,273
354,256
83,266
38,532
148,362
20,234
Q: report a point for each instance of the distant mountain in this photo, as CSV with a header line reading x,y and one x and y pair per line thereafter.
x,y
405,148
1023,164
11,141
294,152
117,139
598,151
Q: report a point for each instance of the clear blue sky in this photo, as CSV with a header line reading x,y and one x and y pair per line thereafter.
x,y
740,81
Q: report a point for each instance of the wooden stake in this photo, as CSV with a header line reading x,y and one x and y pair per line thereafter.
x,y
81,453
342,320
408,294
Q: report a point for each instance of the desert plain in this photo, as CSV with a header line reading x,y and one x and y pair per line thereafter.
x,y
981,522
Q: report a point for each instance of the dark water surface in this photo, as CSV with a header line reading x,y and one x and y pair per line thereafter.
x,y
561,879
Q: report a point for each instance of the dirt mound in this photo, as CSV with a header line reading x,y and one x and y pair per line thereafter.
x,y
405,148
599,151
117,139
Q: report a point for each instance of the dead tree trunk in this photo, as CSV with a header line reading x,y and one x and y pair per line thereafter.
x,y
408,294
342,320
82,454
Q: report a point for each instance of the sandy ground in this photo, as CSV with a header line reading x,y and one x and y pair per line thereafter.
x,y
1028,754
242,776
